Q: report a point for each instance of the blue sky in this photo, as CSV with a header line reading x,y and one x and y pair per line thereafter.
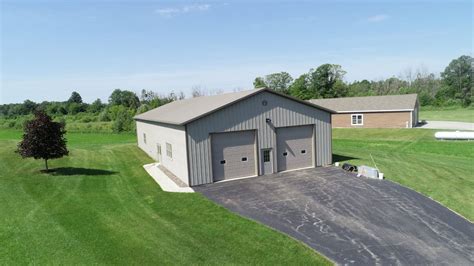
x,y
50,48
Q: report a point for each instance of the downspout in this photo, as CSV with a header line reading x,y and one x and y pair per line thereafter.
x,y
187,154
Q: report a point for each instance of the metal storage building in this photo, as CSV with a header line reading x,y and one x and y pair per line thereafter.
x,y
242,134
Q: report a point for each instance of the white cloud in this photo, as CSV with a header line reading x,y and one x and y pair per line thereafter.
x,y
378,18
173,11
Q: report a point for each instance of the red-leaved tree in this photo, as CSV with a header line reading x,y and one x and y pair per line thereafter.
x,y
43,139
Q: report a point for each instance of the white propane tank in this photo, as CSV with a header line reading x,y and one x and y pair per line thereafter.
x,y
466,135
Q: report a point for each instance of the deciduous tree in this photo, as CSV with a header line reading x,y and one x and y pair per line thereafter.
x,y
43,139
321,80
196,91
125,98
96,106
75,98
457,78
279,82
299,88
259,82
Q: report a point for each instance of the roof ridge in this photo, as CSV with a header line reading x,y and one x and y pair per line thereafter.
x,y
368,96
381,103
183,112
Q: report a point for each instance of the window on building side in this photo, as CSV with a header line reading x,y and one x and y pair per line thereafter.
x,y
158,151
169,150
144,138
357,119
266,155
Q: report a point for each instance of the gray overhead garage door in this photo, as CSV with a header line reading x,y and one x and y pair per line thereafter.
x,y
233,155
294,147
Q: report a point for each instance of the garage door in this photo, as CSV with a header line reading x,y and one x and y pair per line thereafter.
x,y
233,155
294,147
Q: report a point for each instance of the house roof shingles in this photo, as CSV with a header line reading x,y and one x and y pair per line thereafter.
x,y
386,103
184,111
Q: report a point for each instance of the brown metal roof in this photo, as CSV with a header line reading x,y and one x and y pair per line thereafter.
x,y
184,111
386,103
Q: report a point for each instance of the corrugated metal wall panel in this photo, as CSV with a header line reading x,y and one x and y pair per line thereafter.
x,y
252,114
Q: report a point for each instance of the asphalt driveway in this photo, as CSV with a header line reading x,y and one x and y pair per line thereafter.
x,y
351,220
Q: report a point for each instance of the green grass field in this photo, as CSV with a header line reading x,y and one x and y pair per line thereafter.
x,y
453,114
101,207
442,170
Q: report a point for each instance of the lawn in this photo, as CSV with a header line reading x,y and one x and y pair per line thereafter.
x,y
100,207
454,114
442,170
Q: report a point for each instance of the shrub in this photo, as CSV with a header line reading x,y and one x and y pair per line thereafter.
x,y
86,119
451,102
75,108
104,115
123,121
143,108
425,99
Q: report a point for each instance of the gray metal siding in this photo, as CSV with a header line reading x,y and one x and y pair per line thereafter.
x,y
251,114
415,114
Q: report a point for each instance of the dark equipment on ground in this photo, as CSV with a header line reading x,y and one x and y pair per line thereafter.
x,y
349,167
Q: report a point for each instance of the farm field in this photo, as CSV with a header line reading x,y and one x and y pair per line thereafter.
x,y
456,114
442,170
101,207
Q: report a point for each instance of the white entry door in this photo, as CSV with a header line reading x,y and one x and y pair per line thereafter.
x,y
267,161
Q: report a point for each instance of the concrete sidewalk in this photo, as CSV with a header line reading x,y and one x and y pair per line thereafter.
x,y
449,125
166,183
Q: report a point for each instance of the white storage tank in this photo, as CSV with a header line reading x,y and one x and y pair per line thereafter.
x,y
460,135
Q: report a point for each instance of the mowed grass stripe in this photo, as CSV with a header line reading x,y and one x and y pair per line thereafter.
x,y
442,170
448,114
114,213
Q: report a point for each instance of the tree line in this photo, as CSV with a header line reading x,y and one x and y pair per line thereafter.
x,y
452,87
121,107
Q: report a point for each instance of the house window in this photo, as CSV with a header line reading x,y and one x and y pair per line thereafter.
x,y
244,159
144,138
357,120
169,150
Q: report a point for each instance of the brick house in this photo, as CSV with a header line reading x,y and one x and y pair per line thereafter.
x,y
390,111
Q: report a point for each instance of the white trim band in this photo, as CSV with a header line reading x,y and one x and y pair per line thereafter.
x,y
374,111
